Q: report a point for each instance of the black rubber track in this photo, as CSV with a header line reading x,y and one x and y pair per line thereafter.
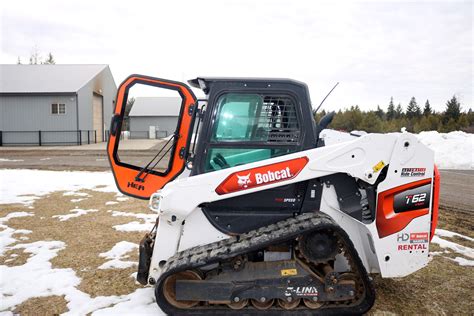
x,y
286,230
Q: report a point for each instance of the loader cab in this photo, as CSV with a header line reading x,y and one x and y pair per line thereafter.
x,y
247,120
241,121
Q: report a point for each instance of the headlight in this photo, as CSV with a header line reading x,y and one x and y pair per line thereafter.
x,y
155,202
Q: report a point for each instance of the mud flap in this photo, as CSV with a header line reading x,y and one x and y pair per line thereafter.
x,y
146,251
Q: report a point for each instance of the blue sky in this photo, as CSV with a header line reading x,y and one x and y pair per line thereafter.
x,y
375,49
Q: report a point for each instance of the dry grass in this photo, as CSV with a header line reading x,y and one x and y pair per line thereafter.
x,y
441,288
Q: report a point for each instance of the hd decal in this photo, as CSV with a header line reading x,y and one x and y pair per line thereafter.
x,y
413,241
263,175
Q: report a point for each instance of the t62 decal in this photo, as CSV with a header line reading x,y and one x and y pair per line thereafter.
x,y
255,177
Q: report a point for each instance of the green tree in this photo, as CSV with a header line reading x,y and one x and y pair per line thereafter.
x,y
380,113
453,110
399,111
371,123
413,110
427,109
49,60
391,114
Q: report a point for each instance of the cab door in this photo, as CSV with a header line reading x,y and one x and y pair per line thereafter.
x,y
150,133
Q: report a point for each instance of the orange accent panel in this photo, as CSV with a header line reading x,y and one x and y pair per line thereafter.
x,y
268,174
435,207
389,222
124,176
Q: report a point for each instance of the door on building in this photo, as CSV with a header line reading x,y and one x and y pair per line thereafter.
x,y
97,116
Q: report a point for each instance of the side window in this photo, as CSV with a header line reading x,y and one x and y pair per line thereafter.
x,y
58,108
266,124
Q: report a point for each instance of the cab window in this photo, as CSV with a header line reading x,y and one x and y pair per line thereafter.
x,y
252,127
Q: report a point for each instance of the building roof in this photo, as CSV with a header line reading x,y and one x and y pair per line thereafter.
x,y
46,78
156,106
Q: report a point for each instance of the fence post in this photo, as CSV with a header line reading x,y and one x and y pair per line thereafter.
x,y
95,136
88,137
80,137
39,138
1,138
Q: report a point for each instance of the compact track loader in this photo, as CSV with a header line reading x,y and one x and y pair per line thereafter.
x,y
261,210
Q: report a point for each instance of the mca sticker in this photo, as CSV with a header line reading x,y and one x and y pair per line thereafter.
x,y
413,172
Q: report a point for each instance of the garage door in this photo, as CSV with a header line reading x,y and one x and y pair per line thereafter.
x,y
97,110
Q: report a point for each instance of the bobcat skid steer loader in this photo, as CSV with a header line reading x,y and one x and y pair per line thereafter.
x,y
261,211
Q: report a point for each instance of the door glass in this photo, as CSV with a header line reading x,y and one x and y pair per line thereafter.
x,y
150,120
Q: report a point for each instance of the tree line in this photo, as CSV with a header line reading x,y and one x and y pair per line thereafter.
x,y
414,118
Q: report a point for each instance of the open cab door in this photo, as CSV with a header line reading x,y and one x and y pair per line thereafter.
x,y
150,133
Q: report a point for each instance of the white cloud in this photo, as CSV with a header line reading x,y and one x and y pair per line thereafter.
x,y
375,49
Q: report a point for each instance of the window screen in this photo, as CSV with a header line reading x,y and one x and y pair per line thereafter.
x,y
254,117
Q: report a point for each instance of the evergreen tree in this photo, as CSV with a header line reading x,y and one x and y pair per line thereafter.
x,y
391,114
453,110
399,111
49,60
413,110
380,113
427,110
18,62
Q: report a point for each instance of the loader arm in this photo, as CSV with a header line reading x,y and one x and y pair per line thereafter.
x,y
142,182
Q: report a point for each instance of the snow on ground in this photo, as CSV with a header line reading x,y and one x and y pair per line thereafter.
x,y
446,233
18,185
116,254
74,213
111,203
10,160
455,247
453,150
16,286
6,233
135,226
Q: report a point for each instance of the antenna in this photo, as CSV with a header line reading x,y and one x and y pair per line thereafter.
x,y
326,97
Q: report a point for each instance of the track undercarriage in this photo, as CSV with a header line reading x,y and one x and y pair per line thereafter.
x,y
233,276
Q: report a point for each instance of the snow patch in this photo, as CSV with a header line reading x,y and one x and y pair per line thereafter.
x,y
134,227
10,160
149,218
111,203
463,250
74,213
77,200
447,233
116,254
454,150
464,262
14,188
6,234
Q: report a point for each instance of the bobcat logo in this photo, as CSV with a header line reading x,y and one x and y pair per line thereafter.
x,y
243,181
